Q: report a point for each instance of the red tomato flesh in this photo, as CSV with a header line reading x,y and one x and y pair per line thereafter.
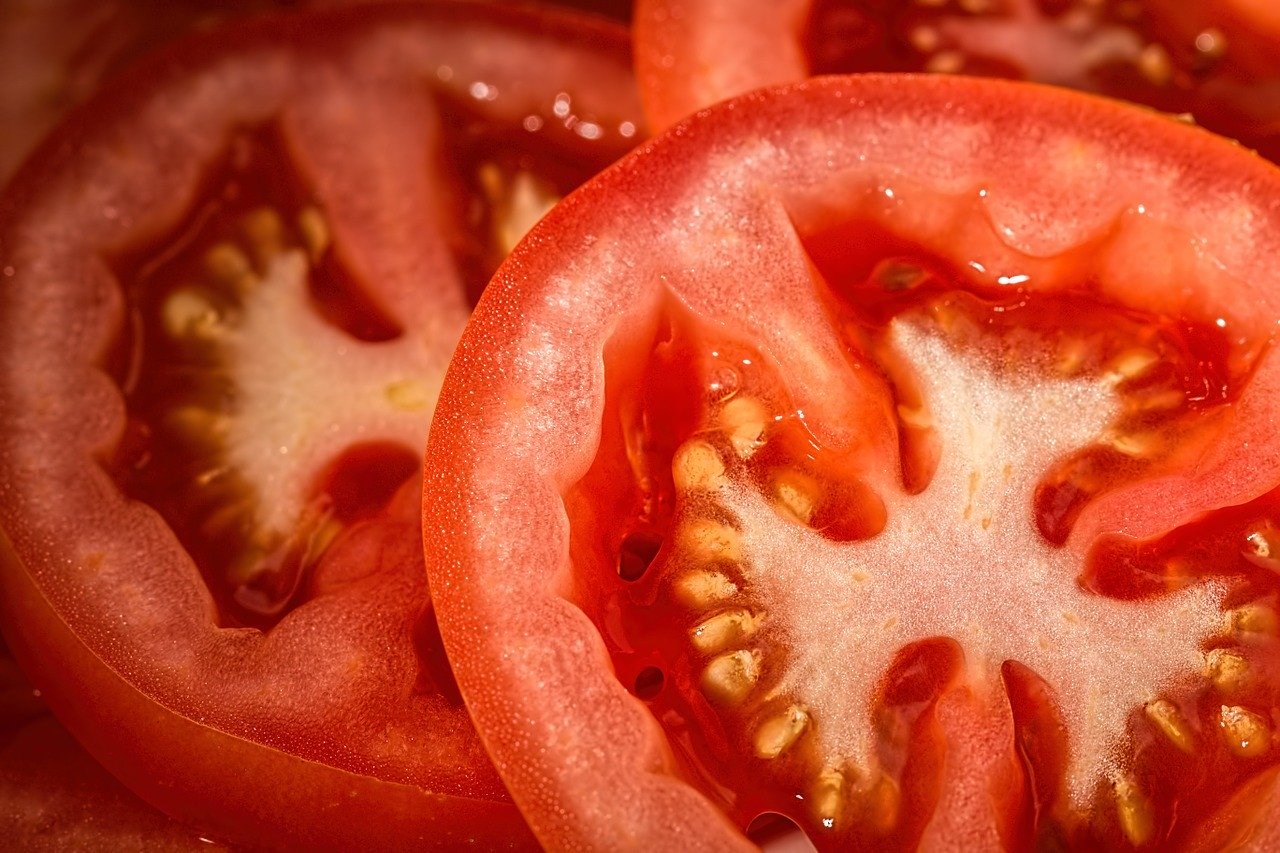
x,y
918,483
230,290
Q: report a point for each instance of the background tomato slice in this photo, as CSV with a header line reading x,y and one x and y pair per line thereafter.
x,y
332,725
736,242
1213,61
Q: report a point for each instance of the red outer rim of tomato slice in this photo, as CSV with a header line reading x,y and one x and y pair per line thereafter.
x,y
123,170
705,215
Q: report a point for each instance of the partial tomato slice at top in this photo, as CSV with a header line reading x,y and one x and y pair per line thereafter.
x,y
229,291
893,454
1216,61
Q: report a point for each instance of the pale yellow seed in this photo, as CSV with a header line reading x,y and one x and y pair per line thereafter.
x,y
1134,812
189,314
1245,733
1160,401
945,62
1155,65
314,229
697,467
924,39
1169,720
1254,619
408,395
1227,670
1133,363
528,199
197,425
701,588
264,230
778,734
828,795
228,265
796,495
730,677
730,628
744,421
1132,444
710,540
1072,356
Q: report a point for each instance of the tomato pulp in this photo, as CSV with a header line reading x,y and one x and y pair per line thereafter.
x,y
891,454
230,286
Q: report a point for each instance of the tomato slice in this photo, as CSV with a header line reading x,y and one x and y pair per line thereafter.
x,y
53,796
230,287
1214,61
891,454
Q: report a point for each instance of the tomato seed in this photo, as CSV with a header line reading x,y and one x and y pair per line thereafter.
x,y
699,589
1245,733
730,677
778,734
730,628
697,466
1134,813
744,420
1169,720
1226,670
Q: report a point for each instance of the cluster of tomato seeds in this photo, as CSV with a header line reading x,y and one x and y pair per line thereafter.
x,y
1113,47
210,303
1178,684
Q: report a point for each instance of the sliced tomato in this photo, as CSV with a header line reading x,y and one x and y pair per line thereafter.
x,y
230,288
54,797
894,455
1215,62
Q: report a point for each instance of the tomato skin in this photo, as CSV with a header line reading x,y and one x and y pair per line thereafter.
x,y
317,732
705,217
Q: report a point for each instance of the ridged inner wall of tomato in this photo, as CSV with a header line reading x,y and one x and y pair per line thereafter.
x,y
1114,48
706,419
190,293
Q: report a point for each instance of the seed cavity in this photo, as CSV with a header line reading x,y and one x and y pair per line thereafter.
x,y
1134,812
730,628
637,553
729,678
1245,733
1226,670
779,733
649,683
697,467
1169,720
